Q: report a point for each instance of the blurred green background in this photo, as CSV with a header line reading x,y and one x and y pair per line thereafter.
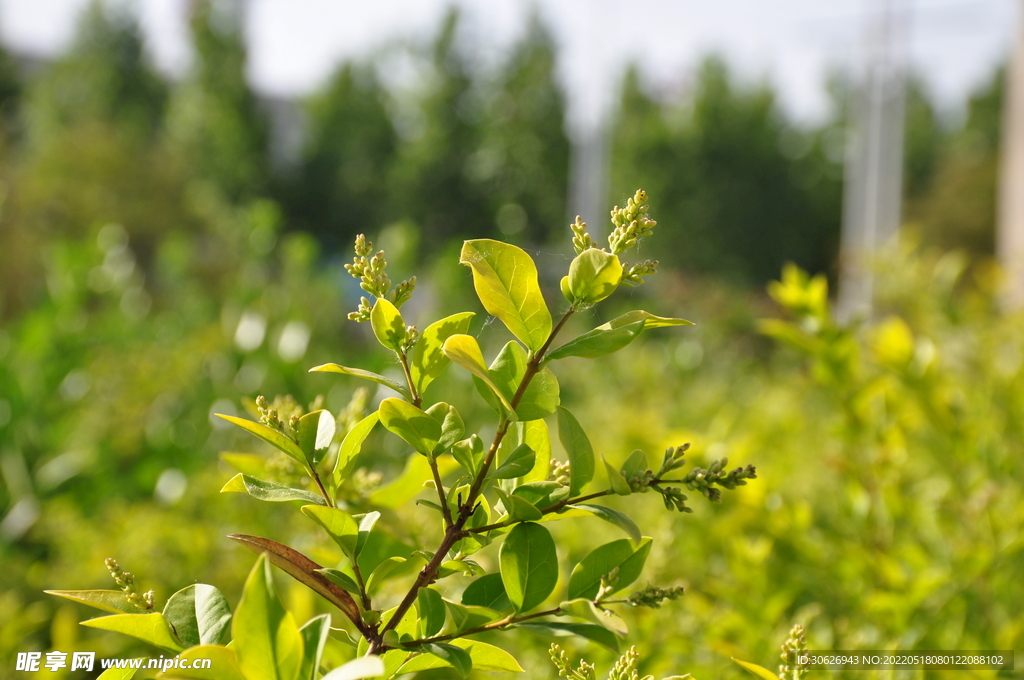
x,y
157,265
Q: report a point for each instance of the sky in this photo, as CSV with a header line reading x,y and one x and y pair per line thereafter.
x,y
794,44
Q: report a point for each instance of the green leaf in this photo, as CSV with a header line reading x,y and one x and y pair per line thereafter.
x,y
342,579
432,611
340,525
541,397
199,615
505,279
463,618
365,375
465,351
757,671
635,465
387,324
616,481
351,445
518,509
358,669
316,432
529,565
223,665
118,674
428,360
417,428
542,495
269,491
485,658
264,634
580,452
612,336
383,570
452,427
366,522
586,576
273,437
593,276
314,639
456,657
302,569
112,601
535,435
469,453
487,591
517,464
588,631
151,628
617,518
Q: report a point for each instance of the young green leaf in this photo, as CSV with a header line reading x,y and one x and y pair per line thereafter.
x,y
277,439
541,397
387,324
456,657
505,279
755,670
151,628
264,634
535,434
314,638
465,351
366,523
359,669
586,576
517,464
352,444
365,375
485,658
316,432
587,631
452,427
269,491
542,494
593,276
462,617
518,509
529,565
614,335
199,615
432,611
616,481
113,601
428,360
615,517
577,446
382,572
469,453
487,591
338,524
635,465
417,428
341,578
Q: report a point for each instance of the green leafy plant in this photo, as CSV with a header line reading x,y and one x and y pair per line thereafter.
x,y
509,489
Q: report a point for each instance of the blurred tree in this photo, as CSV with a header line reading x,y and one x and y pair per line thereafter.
x,y
957,208
432,183
104,77
10,87
349,149
924,140
523,159
739,184
214,117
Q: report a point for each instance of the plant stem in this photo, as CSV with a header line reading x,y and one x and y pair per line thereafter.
x,y
546,511
416,398
363,595
455,531
445,510
320,485
507,621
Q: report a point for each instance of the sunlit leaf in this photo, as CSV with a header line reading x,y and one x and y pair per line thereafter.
x,y
352,444
269,491
365,375
314,638
199,615
593,276
273,437
465,351
151,628
387,324
428,360
316,432
264,634
112,601
417,428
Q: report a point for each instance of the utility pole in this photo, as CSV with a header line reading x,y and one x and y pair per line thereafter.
x,y
874,157
1010,216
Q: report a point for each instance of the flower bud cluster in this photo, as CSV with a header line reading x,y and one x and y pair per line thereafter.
x,y
653,596
625,667
631,223
125,580
580,238
559,471
793,649
564,665
371,272
268,414
699,479
633,275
